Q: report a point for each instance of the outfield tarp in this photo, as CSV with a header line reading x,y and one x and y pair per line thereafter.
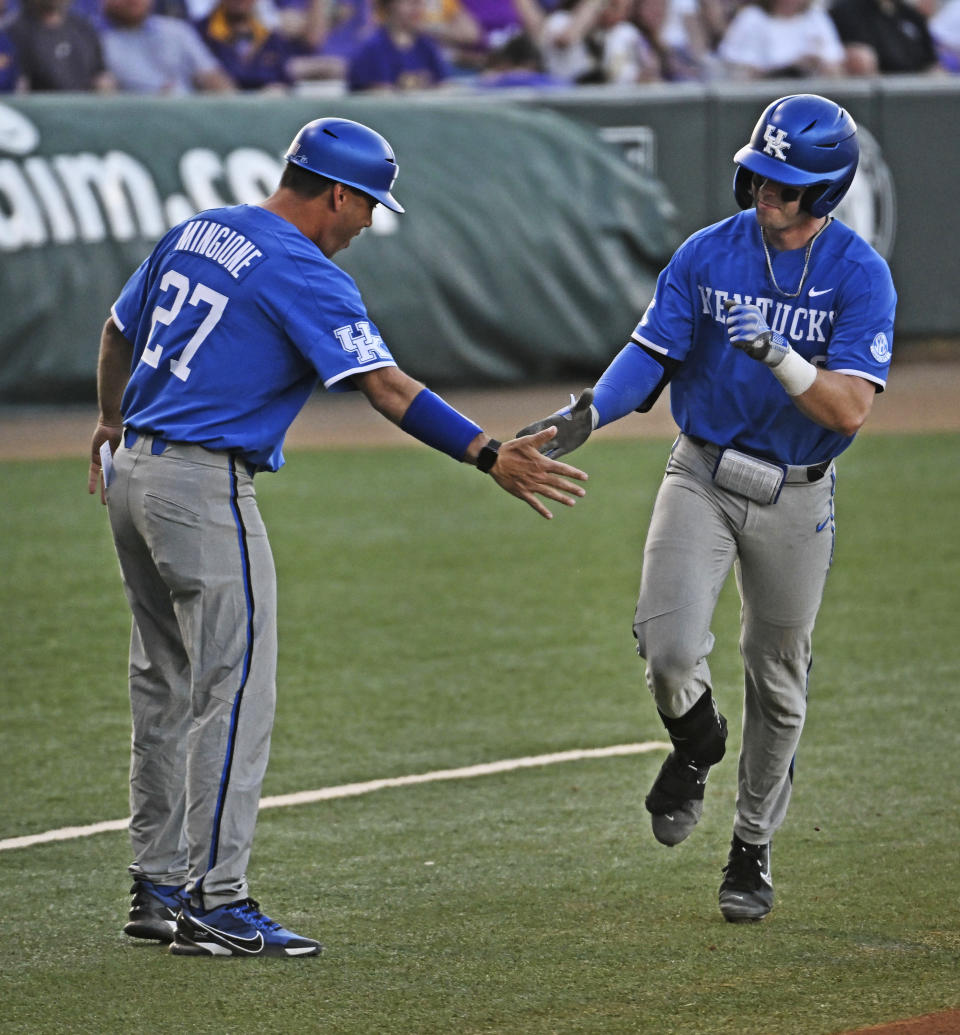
x,y
528,250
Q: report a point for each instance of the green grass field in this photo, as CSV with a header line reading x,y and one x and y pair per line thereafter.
x,y
429,622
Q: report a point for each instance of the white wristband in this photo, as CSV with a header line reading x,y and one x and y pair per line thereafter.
x,y
795,373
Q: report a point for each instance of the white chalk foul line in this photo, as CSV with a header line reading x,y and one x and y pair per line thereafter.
x,y
350,790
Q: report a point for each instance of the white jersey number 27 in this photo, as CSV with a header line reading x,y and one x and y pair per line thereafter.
x,y
180,367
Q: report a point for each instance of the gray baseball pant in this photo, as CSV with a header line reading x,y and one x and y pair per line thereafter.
x,y
781,553
200,580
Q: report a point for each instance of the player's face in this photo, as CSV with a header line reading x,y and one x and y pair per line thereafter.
x,y
778,205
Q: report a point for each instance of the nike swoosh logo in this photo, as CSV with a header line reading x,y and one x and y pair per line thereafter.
x,y
823,291
823,524
232,941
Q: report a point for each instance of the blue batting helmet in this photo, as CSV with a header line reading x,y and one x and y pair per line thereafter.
x,y
347,152
802,141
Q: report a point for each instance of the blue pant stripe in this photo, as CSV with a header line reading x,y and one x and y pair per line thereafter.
x,y
248,654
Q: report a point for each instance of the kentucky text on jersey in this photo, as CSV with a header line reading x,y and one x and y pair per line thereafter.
x,y
220,244
799,323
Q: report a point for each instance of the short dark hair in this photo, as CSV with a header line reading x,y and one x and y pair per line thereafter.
x,y
304,182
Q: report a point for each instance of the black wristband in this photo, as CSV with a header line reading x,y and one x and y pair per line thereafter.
x,y
487,456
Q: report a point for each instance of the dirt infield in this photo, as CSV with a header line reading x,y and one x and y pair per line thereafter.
x,y
947,1023
924,395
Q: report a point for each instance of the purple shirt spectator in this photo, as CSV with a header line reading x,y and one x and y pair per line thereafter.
x,y
252,55
380,62
9,70
501,19
351,22
493,14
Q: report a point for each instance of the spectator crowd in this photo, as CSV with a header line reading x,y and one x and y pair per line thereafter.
x,y
187,46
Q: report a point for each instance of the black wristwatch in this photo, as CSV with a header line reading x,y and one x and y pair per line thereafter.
x,y
487,456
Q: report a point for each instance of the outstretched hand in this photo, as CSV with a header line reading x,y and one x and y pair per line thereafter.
x,y
574,423
525,472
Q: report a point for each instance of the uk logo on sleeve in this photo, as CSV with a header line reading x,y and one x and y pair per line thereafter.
x,y
361,340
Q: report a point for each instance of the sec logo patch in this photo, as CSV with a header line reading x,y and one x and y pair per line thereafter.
x,y
881,348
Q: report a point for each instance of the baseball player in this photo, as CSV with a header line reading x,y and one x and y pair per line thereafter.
x,y
211,350
774,329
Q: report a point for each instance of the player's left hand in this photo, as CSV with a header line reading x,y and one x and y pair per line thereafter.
x,y
748,331
574,423
104,433
525,472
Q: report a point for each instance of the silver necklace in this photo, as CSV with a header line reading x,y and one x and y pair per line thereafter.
x,y
806,261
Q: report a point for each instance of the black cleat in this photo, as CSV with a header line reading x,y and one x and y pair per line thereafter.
x,y
153,912
675,801
746,893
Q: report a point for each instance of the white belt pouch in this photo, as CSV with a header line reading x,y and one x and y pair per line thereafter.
x,y
758,480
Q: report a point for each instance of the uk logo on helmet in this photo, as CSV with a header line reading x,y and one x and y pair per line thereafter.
x,y
777,145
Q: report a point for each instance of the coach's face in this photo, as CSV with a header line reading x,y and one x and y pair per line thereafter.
x,y
354,213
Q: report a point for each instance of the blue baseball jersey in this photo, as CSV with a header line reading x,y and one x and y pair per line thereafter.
x,y
235,317
842,320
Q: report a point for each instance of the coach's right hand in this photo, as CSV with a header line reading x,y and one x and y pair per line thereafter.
x,y
524,471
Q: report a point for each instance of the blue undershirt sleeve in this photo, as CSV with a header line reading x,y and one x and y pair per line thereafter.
x,y
626,384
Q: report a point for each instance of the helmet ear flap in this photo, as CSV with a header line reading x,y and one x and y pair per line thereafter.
x,y
824,198
741,187
812,200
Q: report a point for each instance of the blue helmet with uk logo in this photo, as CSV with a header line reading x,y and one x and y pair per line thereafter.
x,y
804,141
347,152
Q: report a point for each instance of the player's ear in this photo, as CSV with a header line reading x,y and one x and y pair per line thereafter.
x,y
338,195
